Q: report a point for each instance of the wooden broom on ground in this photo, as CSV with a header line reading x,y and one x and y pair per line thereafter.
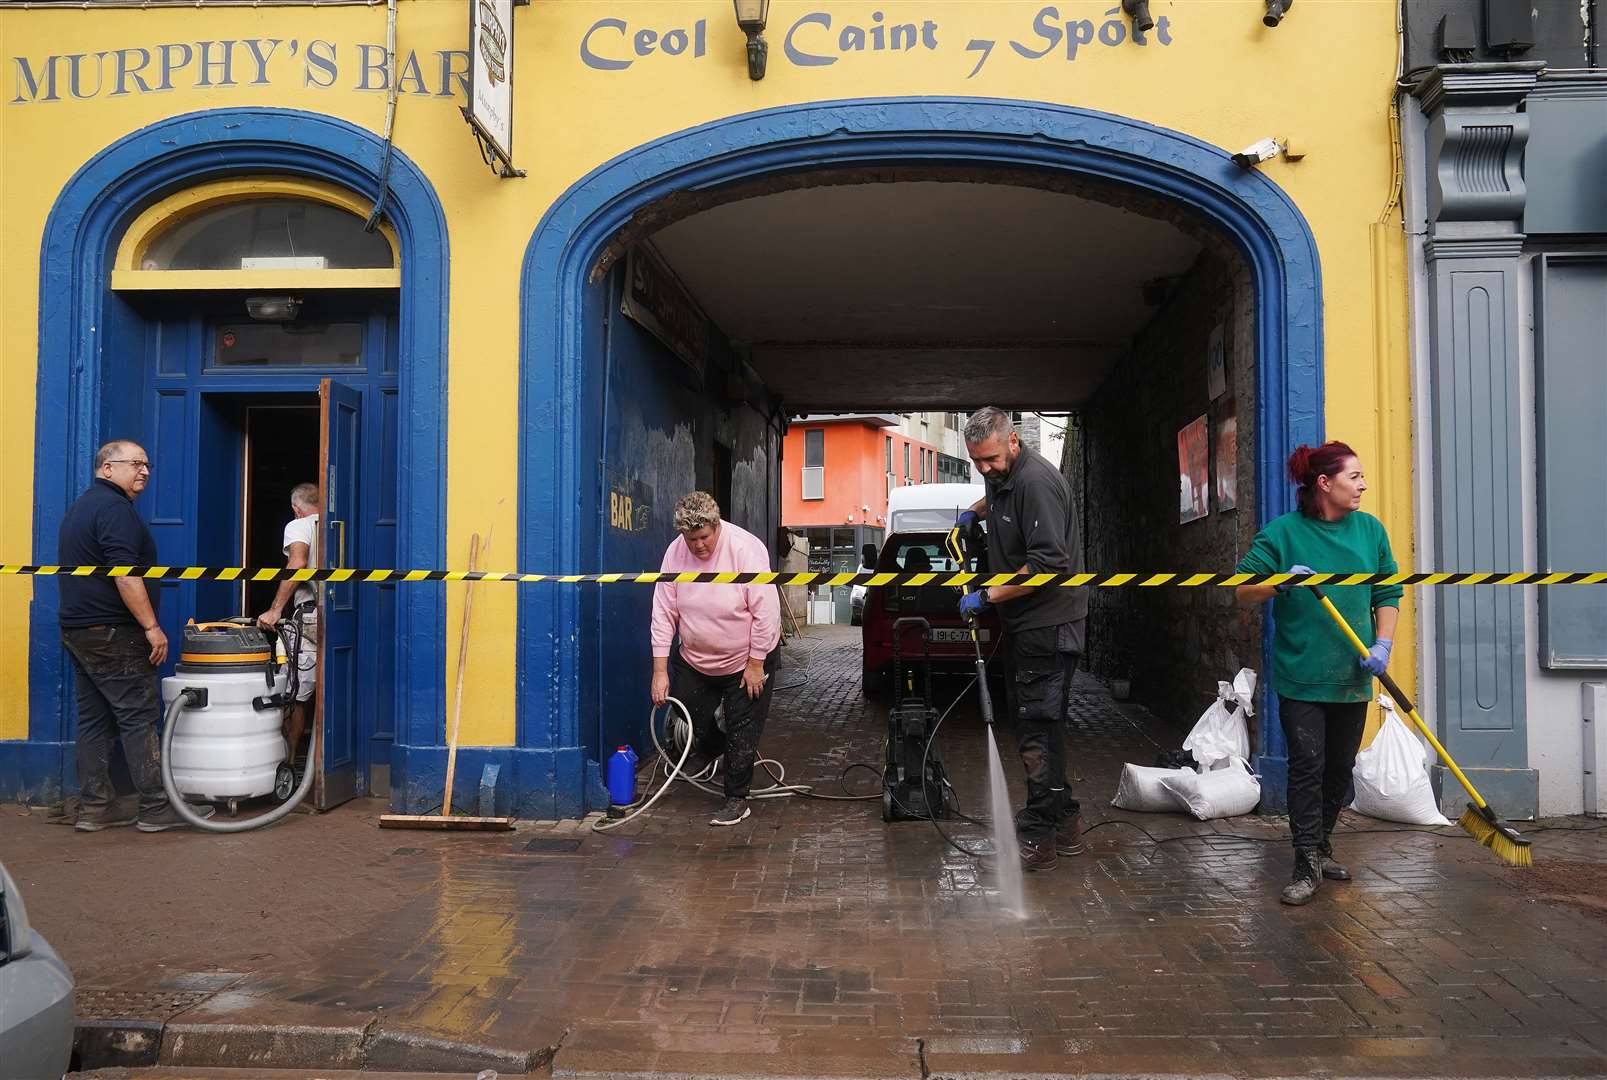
x,y
445,820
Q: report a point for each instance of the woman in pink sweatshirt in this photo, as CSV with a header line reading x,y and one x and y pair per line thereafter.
x,y
715,644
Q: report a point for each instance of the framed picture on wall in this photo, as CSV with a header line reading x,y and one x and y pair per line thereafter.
x,y
1227,458
1216,362
1194,471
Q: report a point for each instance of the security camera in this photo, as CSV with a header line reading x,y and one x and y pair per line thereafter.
x,y
1275,11
1257,152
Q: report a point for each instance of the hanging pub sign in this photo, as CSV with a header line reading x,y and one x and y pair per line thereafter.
x,y
490,108
655,299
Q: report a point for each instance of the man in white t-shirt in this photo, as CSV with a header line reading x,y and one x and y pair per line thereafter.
x,y
301,550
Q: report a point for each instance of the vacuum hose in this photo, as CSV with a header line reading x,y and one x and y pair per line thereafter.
x,y
190,697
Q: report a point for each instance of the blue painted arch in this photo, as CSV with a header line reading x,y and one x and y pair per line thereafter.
x,y
80,237
559,348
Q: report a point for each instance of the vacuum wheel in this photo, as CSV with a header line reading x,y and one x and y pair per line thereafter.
x,y
887,804
284,782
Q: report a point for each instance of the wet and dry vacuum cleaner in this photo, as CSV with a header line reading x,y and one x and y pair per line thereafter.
x,y
226,702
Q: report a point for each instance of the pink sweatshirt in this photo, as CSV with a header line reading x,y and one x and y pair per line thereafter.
x,y
721,626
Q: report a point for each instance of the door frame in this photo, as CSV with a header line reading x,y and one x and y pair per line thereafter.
x,y
84,328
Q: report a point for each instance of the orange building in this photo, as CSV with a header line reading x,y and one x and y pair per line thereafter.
x,y
836,473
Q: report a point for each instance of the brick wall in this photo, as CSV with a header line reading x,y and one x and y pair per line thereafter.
x,y
1173,643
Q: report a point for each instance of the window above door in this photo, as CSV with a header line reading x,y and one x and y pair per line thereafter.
x,y
259,233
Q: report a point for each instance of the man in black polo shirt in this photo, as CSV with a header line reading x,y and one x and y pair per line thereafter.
x,y
109,628
1032,530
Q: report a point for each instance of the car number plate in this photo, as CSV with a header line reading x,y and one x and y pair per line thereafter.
x,y
958,637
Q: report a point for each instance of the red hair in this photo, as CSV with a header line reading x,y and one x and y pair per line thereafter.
x,y
1308,463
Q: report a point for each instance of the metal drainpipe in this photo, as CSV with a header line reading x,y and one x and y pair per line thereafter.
x,y
390,118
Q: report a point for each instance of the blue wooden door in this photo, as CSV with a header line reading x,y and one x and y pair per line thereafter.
x,y
343,772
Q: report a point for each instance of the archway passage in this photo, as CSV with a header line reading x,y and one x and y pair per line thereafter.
x,y
868,300
882,257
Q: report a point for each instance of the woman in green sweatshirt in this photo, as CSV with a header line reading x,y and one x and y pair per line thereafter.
x,y
1323,688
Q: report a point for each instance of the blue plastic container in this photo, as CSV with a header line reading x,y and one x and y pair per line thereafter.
x,y
622,776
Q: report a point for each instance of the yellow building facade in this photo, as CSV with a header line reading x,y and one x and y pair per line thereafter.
x,y
486,406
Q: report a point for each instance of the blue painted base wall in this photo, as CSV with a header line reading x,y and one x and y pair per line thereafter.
x,y
36,772
541,785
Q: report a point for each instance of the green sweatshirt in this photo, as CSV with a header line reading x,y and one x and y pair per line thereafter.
x,y
1311,659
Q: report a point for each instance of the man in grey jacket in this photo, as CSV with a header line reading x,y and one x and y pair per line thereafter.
x,y
1032,530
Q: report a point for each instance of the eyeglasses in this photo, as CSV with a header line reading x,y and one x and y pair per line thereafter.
x,y
138,464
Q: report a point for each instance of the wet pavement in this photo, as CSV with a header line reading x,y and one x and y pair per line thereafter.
x,y
813,939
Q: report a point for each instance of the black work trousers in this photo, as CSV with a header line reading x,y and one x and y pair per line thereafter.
x,y
118,698
1044,662
744,717
1323,738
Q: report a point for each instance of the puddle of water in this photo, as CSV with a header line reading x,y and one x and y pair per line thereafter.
x,y
1007,862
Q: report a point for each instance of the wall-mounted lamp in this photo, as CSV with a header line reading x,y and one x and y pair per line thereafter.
x,y
751,18
1138,11
273,308
1276,9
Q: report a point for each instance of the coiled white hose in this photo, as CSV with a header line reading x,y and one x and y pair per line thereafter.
x,y
673,769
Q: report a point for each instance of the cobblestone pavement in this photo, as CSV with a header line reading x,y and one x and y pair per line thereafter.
x,y
814,939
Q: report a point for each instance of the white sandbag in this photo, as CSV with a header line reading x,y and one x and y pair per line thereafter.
x,y
1226,792
1221,732
1390,777
1141,789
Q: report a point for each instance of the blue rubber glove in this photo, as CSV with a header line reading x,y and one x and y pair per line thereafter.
x,y
1297,568
967,519
1377,658
972,604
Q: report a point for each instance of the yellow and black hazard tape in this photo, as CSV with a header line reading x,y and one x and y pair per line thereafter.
x,y
771,577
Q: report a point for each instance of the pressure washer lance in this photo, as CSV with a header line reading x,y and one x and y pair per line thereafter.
x,y
1012,889
288,635
957,551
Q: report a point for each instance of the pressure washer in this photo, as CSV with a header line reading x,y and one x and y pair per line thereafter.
x,y
230,689
915,786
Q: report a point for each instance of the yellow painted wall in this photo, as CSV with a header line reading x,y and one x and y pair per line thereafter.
x,y
1322,79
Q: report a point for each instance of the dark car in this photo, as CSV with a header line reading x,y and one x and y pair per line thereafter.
x,y
914,553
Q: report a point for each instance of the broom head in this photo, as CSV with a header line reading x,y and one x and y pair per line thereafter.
x,y
1497,835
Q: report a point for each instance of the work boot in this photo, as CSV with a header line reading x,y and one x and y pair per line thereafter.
x,y
731,813
110,817
168,818
1068,835
1307,879
1331,869
1038,854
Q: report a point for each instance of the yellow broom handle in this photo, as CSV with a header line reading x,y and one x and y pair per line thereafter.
x,y
1401,700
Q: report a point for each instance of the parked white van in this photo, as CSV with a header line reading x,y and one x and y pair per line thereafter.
x,y
919,508
925,507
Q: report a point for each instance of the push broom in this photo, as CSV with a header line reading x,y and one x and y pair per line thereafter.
x,y
446,820
1478,820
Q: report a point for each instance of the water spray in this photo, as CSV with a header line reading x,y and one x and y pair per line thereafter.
x,y
1002,821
